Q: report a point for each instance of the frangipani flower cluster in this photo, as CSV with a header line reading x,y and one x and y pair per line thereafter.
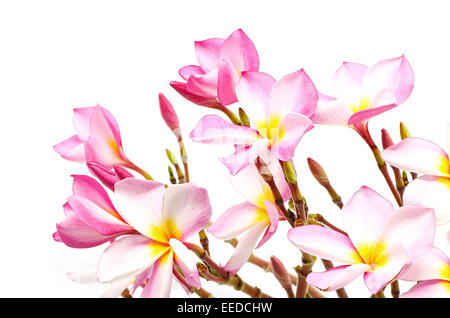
x,y
149,227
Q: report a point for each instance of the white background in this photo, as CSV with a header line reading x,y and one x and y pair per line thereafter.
x,y
57,55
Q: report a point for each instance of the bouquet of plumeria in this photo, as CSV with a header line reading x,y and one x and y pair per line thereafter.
x,y
150,229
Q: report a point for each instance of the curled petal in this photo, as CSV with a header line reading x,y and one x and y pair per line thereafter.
x,y
186,261
245,156
273,214
336,277
186,71
203,85
71,149
366,114
182,89
418,155
160,282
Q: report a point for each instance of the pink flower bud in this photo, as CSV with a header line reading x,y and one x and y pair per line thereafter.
x,y
107,177
386,139
168,113
122,173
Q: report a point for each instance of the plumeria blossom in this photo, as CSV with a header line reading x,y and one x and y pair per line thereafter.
x,y
222,62
97,138
380,244
91,218
427,158
278,110
363,92
432,269
164,219
252,218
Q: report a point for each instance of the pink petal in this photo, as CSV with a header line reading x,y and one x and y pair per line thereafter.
x,y
182,89
237,220
203,85
239,50
186,71
347,81
160,282
87,188
397,257
186,210
364,216
393,74
187,262
253,92
245,247
81,121
418,155
429,289
412,227
128,256
109,154
432,192
336,277
71,149
290,130
213,129
433,264
106,176
324,243
75,233
140,204
102,125
272,212
100,220
207,52
366,114
331,111
226,84
294,93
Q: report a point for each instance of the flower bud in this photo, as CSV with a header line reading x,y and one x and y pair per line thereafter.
x,y
168,113
243,117
121,172
280,272
173,160
107,177
386,139
318,172
404,133
289,172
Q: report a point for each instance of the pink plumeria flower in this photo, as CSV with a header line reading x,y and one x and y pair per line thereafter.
x,y
164,219
427,158
91,218
381,241
363,92
222,62
433,270
252,218
97,138
279,112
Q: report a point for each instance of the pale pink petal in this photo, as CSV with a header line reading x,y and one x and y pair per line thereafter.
x,y
109,154
348,80
324,243
237,220
331,111
253,92
141,278
393,74
207,52
187,262
393,260
287,135
418,155
115,289
87,188
250,185
182,89
412,227
432,192
203,85
429,289
240,51
186,71
226,83
238,160
103,126
366,114
186,210
160,282
294,93
75,233
139,202
273,214
336,277
245,247
213,129
127,255
276,169
81,121
433,264
364,216
71,149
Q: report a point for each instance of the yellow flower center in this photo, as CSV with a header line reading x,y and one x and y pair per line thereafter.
x,y
364,103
